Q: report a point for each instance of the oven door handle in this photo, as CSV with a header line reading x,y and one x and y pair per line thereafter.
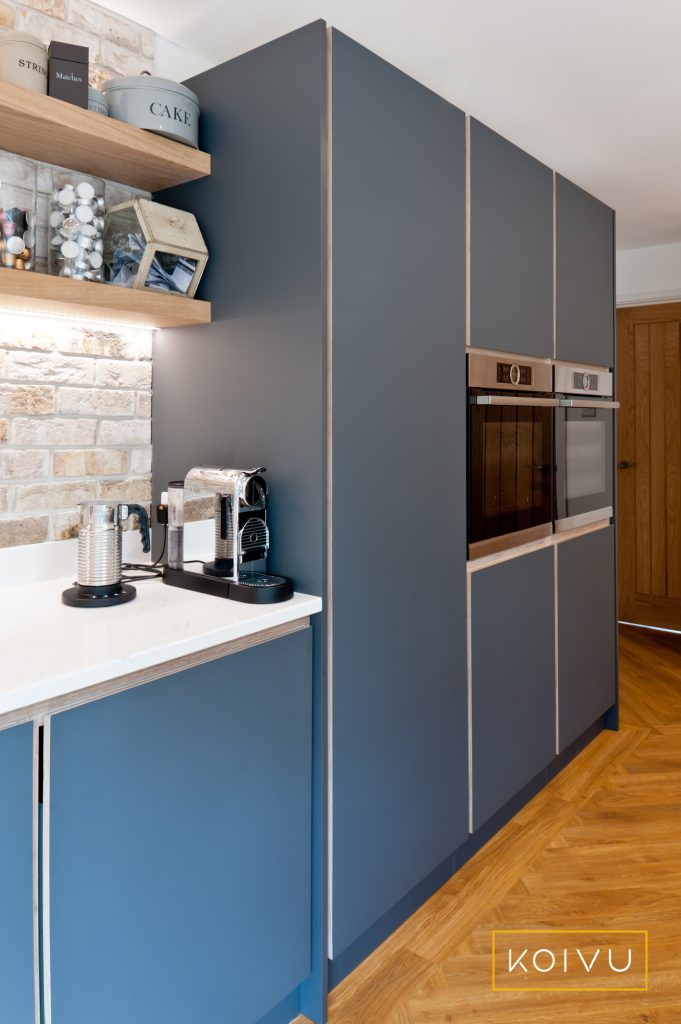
x,y
551,403
580,403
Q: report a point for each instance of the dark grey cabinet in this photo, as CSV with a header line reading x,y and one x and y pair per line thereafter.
x,y
354,398
511,239
249,389
373,413
586,632
17,987
585,276
513,678
179,826
399,803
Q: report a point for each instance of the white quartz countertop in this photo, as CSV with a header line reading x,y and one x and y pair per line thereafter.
x,y
49,650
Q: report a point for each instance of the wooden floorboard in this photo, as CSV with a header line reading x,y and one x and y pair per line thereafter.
x,y
599,847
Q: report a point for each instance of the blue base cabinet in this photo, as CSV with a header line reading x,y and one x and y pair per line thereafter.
x,y
513,678
587,646
180,841
17,989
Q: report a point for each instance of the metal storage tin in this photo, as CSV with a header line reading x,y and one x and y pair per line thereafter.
x,y
157,104
23,61
96,101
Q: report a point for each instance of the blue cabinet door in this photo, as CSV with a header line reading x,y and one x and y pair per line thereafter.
x,y
17,990
586,632
585,276
511,246
180,844
400,796
513,678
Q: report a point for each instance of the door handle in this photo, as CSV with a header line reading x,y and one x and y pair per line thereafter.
x,y
579,403
522,400
626,465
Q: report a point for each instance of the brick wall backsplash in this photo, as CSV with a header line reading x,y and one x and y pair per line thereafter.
x,y
117,46
75,399
75,423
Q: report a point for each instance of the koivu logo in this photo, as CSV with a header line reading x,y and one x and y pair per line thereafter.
x,y
538,960
545,960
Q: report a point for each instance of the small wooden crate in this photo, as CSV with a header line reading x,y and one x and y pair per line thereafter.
x,y
147,245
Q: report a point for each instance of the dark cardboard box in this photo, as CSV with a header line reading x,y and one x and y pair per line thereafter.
x,y
68,73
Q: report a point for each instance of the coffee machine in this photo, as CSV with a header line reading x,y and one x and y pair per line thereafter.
x,y
241,537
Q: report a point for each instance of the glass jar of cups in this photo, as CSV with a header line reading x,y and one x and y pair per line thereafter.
x,y
76,226
17,212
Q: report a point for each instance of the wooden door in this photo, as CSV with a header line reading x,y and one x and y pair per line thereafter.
x,y
649,464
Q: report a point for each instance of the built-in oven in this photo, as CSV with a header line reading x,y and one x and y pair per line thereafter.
x,y
510,452
585,430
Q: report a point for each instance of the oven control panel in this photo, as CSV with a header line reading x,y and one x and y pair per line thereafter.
x,y
585,381
581,380
514,373
499,371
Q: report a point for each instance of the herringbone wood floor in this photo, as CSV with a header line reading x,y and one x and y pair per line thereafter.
x,y
600,847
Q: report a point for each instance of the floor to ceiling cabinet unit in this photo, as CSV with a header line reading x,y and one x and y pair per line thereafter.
x,y
335,217
585,276
17,888
362,427
511,247
399,796
249,389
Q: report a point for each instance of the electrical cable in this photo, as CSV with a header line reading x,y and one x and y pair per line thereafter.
x,y
148,571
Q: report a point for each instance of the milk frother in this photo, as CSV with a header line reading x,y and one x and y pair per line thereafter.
x,y
100,578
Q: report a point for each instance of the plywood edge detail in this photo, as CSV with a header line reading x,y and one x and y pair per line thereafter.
x,y
148,675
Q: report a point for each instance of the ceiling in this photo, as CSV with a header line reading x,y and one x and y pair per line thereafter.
x,y
591,87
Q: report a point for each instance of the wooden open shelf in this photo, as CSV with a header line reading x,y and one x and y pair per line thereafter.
x,y
44,128
29,292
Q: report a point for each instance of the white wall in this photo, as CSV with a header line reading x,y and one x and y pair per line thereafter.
x,y
176,63
649,275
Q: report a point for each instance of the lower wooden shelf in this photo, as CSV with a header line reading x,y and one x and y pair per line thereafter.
x,y
29,292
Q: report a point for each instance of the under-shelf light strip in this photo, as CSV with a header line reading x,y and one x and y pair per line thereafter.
x,y
92,321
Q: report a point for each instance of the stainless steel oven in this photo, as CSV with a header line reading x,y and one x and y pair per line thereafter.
x,y
510,452
585,428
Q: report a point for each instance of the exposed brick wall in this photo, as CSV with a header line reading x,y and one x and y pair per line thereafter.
x,y
117,46
75,401
75,423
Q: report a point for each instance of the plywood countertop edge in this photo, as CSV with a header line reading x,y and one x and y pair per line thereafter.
x,y
109,687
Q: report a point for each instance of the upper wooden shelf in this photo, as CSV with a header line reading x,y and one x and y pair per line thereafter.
x,y
44,128
30,292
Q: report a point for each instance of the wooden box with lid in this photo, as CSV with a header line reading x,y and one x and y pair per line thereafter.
x,y
147,245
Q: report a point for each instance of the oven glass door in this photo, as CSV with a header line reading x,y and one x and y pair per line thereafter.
x,y
584,472
510,459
